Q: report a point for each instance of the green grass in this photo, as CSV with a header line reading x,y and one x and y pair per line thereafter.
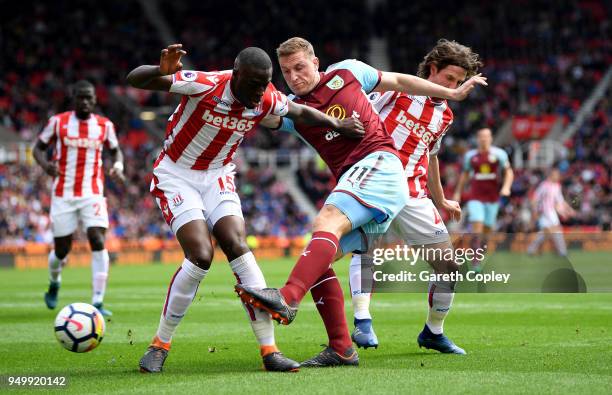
x,y
517,343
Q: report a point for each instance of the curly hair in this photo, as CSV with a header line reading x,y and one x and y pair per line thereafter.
x,y
447,53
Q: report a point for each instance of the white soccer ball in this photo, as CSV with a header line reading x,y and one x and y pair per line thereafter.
x,y
79,327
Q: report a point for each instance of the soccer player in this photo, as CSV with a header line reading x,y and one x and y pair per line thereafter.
x,y
77,138
546,202
417,125
370,192
483,165
193,179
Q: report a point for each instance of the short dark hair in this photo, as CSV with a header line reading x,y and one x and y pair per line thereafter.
x,y
82,84
447,53
253,57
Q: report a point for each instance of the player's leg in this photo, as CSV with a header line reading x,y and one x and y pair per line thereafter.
x,y
440,297
476,217
229,231
420,224
194,238
64,222
100,264
363,335
546,223
94,215
329,299
56,261
556,233
175,186
377,172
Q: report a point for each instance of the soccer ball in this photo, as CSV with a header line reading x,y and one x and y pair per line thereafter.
x,y
79,327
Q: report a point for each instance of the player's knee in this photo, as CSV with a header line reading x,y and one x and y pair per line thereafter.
x,y
235,247
332,220
201,256
96,242
62,251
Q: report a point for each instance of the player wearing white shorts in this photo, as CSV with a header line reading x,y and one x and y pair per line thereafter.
x,y
417,125
193,179
546,202
77,138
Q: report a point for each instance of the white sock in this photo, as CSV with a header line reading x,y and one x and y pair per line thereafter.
x,y
535,244
55,267
99,271
440,299
559,243
249,274
181,293
361,300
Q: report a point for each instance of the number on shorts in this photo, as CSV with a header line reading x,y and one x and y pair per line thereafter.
x,y
99,209
228,184
437,218
358,173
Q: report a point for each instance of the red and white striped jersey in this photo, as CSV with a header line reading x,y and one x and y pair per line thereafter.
x,y
417,125
78,152
209,123
548,197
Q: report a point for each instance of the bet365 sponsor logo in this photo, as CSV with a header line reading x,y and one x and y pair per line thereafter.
x,y
82,143
426,135
228,122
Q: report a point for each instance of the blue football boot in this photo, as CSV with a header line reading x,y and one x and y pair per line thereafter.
x,y
106,313
51,295
364,335
439,342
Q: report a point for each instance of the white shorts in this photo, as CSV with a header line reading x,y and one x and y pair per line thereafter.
x,y
184,195
548,220
66,213
419,223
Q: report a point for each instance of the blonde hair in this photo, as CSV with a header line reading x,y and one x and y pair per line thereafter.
x,y
294,45
447,53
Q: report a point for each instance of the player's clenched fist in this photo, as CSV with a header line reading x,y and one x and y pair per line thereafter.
x,y
170,60
351,127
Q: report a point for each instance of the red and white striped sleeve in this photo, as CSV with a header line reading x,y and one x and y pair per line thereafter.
x,y
48,134
276,102
191,83
111,136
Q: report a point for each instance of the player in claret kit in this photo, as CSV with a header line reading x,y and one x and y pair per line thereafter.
x,y
371,188
77,138
485,165
193,179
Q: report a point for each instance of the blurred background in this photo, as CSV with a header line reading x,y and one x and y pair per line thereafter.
x,y
548,102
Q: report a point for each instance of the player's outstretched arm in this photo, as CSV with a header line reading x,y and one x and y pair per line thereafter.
x,y
348,127
158,78
434,184
414,85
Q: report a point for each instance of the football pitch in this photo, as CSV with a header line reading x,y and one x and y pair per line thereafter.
x,y
516,343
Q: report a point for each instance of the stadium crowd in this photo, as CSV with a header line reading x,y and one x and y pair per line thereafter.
x,y
535,64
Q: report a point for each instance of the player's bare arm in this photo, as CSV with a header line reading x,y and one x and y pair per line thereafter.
x,y
507,184
158,78
348,127
414,85
460,185
40,155
116,171
434,184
